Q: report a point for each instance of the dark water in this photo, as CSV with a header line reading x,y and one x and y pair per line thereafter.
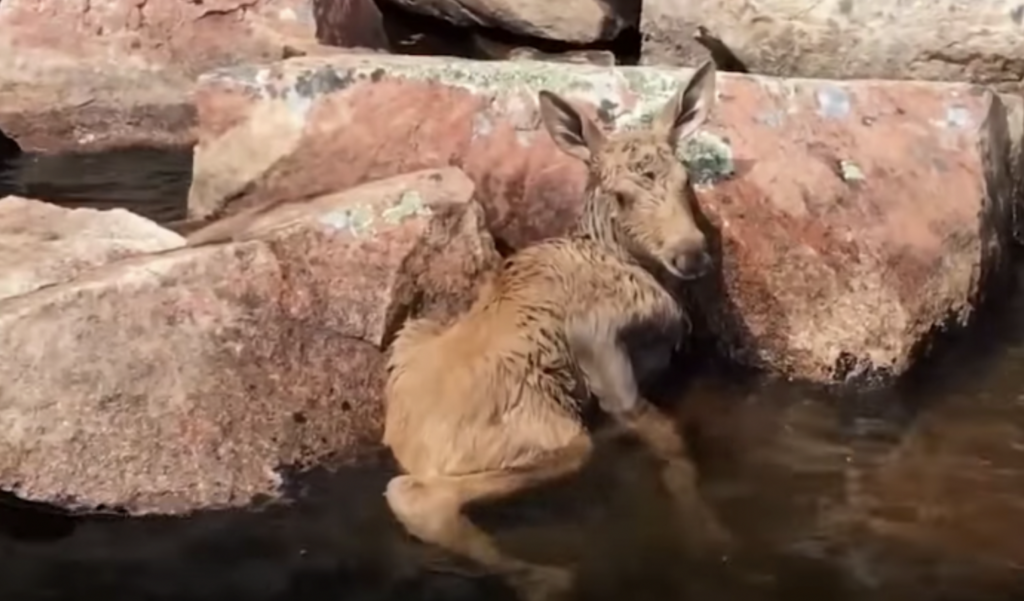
x,y
149,181
913,493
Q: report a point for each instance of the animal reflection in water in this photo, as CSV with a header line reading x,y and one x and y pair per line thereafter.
x,y
492,404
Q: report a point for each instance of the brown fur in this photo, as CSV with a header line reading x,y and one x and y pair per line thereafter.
x,y
491,404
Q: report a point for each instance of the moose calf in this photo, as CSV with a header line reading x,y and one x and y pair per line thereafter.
x,y
492,404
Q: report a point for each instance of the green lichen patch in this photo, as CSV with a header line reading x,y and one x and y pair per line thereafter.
x,y
362,219
319,82
708,158
357,220
850,172
648,87
410,204
601,86
652,86
626,97
486,77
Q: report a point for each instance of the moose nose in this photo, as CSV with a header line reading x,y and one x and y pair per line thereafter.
x,y
693,262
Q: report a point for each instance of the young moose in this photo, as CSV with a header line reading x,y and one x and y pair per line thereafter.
x,y
492,404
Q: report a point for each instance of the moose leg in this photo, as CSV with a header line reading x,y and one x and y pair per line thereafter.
x,y
703,528
431,509
610,376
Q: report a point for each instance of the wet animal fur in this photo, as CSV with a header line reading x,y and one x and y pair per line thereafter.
x,y
492,403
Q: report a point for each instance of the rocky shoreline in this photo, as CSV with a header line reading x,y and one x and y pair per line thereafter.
x,y
857,214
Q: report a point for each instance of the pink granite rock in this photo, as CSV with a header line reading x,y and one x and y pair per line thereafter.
x,y
42,244
855,217
185,379
119,72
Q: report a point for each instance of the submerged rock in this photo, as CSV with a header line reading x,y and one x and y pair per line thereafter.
x,y
855,217
183,380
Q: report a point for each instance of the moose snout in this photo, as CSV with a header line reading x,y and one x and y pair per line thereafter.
x,y
692,261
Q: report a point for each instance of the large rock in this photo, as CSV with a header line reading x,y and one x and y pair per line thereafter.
x,y
849,40
349,23
943,40
856,217
119,73
578,21
92,108
42,244
182,380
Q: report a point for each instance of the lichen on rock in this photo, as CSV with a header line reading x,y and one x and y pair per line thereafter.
x,y
708,158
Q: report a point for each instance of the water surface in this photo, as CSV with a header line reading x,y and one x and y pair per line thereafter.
x,y
152,182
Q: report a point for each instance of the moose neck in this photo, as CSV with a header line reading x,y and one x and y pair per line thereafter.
x,y
597,220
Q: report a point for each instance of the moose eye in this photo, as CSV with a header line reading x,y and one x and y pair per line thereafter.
x,y
650,176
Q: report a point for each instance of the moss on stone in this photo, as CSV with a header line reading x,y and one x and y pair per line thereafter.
x,y
850,172
409,204
357,220
708,158
491,77
362,219
647,88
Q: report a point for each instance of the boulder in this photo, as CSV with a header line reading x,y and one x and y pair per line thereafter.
x,y
184,379
944,40
42,244
119,73
848,39
59,108
576,21
350,23
855,217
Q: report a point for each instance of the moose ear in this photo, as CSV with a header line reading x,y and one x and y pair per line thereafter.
x,y
690,106
576,134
